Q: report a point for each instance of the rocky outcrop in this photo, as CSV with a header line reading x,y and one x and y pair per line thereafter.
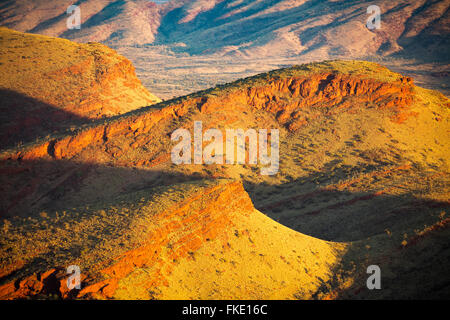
x,y
222,216
141,139
289,99
184,229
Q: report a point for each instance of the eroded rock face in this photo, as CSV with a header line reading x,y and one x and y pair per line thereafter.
x,y
287,98
48,84
184,229
211,225
294,102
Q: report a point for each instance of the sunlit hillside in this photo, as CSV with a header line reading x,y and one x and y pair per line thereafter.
x,y
49,84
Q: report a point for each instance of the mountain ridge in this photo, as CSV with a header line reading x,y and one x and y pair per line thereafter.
x,y
305,28
51,84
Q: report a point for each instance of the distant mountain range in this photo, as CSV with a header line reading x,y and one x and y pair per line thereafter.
x,y
313,29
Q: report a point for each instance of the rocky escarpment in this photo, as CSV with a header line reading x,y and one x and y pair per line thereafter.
x,y
288,98
48,84
293,100
162,242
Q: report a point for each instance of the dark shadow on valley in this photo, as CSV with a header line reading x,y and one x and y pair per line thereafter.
x,y
24,119
376,225
340,215
29,187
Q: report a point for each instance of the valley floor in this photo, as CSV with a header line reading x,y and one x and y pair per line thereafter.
x,y
169,75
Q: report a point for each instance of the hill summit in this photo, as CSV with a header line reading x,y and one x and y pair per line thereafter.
x,y
49,83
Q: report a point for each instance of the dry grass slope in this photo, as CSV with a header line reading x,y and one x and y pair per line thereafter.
x,y
48,81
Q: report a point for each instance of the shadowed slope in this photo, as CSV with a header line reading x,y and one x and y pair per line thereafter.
x,y
24,119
